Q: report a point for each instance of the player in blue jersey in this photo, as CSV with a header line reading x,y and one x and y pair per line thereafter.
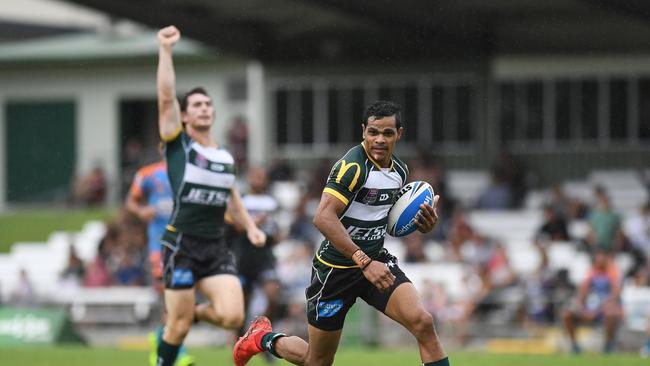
x,y
150,199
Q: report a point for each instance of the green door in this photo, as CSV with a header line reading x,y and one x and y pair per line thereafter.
x,y
40,143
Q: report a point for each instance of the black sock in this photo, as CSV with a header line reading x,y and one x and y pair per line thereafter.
x,y
166,353
443,362
268,342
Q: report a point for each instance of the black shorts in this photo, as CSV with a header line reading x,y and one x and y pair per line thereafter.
x,y
189,258
333,291
260,277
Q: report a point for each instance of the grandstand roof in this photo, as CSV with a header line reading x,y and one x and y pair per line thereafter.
x,y
94,47
348,30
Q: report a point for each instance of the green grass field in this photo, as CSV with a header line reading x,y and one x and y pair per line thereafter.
x,y
36,225
78,356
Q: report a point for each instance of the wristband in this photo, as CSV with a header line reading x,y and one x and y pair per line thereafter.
x,y
366,265
360,258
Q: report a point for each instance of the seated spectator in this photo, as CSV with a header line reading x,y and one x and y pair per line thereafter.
x,y
434,298
567,207
539,288
605,230
73,274
497,196
513,174
637,231
460,311
491,266
129,259
281,171
598,300
23,294
292,271
302,227
90,190
554,227
98,273
460,232
563,290
496,273
414,245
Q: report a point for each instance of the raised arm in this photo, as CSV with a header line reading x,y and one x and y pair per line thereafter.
x,y
169,111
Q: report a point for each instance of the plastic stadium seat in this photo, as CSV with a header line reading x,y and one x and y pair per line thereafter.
x,y
578,229
287,193
561,255
507,225
582,190
524,260
636,302
449,274
467,185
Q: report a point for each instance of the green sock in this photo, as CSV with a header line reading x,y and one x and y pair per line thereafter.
x,y
268,342
167,353
443,362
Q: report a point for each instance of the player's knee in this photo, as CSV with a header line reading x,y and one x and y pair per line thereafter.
x,y
178,328
234,320
422,323
319,360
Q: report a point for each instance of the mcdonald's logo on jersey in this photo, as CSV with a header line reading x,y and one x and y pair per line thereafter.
x,y
343,169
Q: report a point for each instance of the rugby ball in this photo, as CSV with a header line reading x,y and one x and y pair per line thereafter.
x,y
401,217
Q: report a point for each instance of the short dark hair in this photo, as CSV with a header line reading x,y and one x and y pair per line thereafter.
x,y
383,108
186,96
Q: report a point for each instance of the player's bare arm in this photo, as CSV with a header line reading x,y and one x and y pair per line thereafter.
x,y
327,222
169,112
140,208
240,215
428,216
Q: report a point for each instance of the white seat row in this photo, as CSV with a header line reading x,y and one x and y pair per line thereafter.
x,y
467,185
44,262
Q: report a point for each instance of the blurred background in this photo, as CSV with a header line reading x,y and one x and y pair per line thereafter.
x,y
531,120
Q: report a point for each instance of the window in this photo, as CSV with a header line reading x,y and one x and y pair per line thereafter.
x,y
589,109
534,111
644,109
507,111
445,111
618,113
281,116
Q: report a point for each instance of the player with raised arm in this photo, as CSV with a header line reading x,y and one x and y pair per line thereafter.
x,y
351,262
202,177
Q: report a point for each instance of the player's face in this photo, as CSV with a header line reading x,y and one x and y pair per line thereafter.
x,y
200,112
600,260
380,136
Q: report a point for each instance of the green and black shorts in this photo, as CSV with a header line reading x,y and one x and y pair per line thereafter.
x,y
188,258
333,291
